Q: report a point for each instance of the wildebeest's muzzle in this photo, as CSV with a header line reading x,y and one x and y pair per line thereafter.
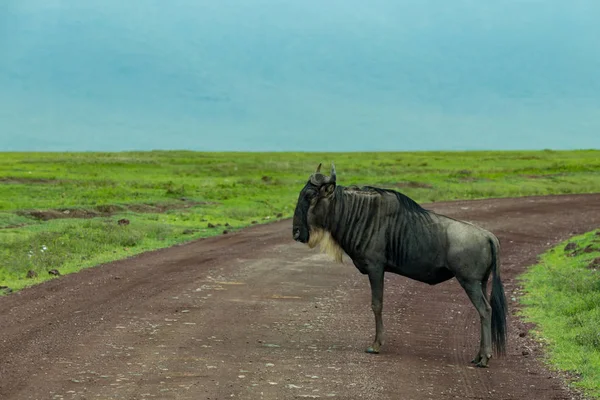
x,y
300,229
300,235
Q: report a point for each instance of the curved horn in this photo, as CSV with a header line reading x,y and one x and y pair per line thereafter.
x,y
332,177
319,179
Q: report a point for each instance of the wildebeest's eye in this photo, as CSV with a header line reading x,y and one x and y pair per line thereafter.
x,y
312,194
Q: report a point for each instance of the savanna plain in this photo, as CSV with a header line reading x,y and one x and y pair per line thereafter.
x,y
62,212
66,211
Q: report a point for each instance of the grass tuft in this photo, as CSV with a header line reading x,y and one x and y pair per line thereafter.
x,y
562,297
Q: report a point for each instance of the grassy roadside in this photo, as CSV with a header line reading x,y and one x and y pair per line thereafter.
x,y
562,297
61,210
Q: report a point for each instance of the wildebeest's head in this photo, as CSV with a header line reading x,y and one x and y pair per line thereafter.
x,y
313,204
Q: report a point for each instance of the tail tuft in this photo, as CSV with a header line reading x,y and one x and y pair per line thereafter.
x,y
498,303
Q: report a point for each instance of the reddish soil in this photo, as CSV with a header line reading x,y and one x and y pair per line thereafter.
x,y
254,315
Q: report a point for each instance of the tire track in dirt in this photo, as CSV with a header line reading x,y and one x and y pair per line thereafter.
x,y
254,315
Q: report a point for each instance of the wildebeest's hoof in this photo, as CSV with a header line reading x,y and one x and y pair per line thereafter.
x,y
481,361
372,350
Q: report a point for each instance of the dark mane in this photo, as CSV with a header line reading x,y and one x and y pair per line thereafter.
x,y
406,202
366,212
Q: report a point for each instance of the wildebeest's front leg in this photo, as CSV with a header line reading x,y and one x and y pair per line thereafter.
x,y
376,281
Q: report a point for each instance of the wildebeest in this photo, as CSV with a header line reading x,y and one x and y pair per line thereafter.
x,y
383,230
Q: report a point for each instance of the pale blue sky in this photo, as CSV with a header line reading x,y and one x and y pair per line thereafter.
x,y
290,75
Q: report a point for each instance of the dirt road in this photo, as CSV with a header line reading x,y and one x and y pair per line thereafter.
x,y
253,315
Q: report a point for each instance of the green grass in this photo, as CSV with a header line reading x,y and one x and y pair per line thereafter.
x,y
171,197
562,297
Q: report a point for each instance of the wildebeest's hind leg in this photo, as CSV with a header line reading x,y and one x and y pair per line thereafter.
x,y
477,358
476,292
376,281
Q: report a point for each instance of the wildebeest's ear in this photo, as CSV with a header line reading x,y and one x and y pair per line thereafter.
x,y
327,189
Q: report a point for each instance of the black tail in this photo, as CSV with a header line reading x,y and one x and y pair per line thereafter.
x,y
498,303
